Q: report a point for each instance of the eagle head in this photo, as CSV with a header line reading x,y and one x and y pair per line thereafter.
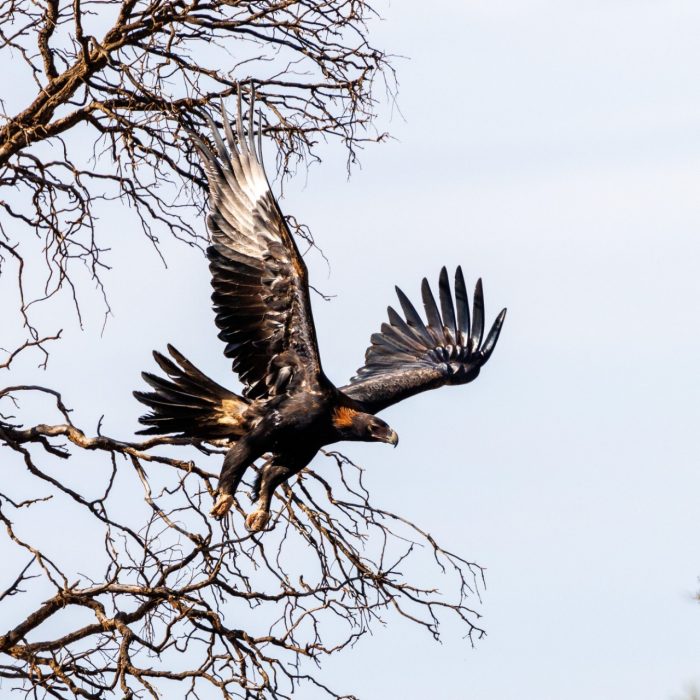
x,y
356,425
379,431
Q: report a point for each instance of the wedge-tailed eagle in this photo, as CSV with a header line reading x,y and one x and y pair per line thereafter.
x,y
289,409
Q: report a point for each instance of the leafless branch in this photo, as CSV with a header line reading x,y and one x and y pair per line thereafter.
x,y
38,343
115,582
167,594
118,84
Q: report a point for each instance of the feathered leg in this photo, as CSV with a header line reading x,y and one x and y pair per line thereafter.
x,y
237,460
271,476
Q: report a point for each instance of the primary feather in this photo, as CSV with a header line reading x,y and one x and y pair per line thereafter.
x,y
408,356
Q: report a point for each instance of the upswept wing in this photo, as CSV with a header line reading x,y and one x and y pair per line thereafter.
x,y
409,356
261,291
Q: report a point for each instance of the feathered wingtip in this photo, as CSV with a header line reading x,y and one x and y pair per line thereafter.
x,y
453,334
239,143
454,328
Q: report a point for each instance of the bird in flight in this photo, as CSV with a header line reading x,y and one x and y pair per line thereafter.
x,y
289,409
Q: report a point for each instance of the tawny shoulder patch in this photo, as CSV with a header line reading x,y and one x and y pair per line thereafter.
x,y
342,416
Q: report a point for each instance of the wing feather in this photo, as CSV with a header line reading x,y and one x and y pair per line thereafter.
x,y
408,356
431,309
478,316
260,281
448,309
462,307
403,331
412,316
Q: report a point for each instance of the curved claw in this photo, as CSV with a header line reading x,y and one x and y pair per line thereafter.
x,y
257,520
222,506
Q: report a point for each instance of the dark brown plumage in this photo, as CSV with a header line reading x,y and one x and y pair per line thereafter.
x,y
289,408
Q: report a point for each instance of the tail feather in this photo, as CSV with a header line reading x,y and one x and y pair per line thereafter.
x,y
189,403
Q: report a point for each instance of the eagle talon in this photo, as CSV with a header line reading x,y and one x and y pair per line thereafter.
x,y
257,520
222,506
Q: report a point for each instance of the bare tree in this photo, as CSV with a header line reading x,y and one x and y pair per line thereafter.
x,y
171,595
127,79
123,586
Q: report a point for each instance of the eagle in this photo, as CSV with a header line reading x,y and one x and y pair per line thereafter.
x,y
288,408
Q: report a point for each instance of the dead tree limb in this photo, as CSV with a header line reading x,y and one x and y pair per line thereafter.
x,y
161,593
116,86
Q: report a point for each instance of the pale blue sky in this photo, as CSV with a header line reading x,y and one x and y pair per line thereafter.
x,y
552,148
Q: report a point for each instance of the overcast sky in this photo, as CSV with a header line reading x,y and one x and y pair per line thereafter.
x,y
552,148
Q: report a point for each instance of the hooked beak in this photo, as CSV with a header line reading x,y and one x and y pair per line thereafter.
x,y
392,438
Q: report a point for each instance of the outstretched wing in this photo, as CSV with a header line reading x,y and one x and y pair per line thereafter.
x,y
261,292
408,356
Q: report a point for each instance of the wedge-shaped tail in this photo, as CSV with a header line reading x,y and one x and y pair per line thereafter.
x,y
409,355
189,403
